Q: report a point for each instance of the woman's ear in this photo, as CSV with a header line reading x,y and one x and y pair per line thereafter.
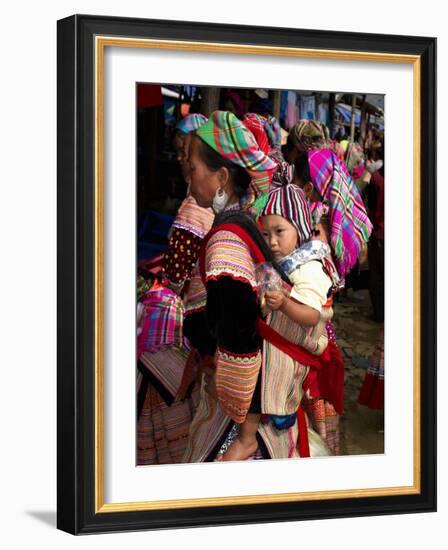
x,y
308,189
223,177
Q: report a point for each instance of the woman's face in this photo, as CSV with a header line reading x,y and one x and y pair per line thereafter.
x,y
181,144
204,182
280,235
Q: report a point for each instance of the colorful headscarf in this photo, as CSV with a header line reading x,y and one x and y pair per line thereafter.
x,y
349,225
309,134
274,132
290,203
230,138
257,124
191,123
354,160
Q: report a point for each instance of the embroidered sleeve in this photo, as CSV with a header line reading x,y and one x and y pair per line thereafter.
x,y
232,311
227,255
231,314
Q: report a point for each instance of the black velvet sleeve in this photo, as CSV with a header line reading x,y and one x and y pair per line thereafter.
x,y
232,311
197,331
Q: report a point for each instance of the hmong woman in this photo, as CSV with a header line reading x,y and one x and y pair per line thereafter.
x,y
223,319
341,217
306,135
163,420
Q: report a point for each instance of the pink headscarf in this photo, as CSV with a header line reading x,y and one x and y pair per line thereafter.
x,y
350,226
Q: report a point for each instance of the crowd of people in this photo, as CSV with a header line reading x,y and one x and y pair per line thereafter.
x,y
237,353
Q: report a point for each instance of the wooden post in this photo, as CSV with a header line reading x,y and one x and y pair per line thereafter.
x,y
363,127
276,104
331,109
352,125
209,100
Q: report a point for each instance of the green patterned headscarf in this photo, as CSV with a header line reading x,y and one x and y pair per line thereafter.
x,y
230,138
310,134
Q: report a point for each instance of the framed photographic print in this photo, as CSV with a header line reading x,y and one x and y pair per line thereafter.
x,y
246,274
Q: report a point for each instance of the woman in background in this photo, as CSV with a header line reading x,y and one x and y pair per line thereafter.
x,y
164,419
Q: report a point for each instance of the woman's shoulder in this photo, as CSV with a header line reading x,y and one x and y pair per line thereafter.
x,y
226,238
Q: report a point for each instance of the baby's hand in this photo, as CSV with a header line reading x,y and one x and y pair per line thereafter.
x,y
275,299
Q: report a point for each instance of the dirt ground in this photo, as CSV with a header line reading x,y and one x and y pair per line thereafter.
x,y
361,429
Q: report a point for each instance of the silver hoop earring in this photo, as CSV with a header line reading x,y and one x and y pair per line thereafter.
x,y
220,200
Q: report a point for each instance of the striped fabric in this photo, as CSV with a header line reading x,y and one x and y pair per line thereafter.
x,y
167,366
227,254
230,138
282,376
325,420
162,430
283,175
290,203
236,378
208,426
190,123
194,218
282,379
196,297
350,227
321,413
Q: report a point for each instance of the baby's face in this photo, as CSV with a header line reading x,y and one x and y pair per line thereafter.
x,y
280,235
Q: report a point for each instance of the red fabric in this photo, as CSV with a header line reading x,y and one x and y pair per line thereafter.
x,y
303,445
295,351
372,392
328,381
254,125
149,95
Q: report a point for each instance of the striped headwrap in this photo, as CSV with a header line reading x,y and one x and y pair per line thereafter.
x,y
230,138
349,225
309,134
290,203
191,123
283,175
256,124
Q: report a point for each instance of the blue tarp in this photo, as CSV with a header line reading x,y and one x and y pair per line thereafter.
x,y
346,113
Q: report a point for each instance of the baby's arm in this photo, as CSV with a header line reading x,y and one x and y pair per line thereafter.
x,y
301,314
